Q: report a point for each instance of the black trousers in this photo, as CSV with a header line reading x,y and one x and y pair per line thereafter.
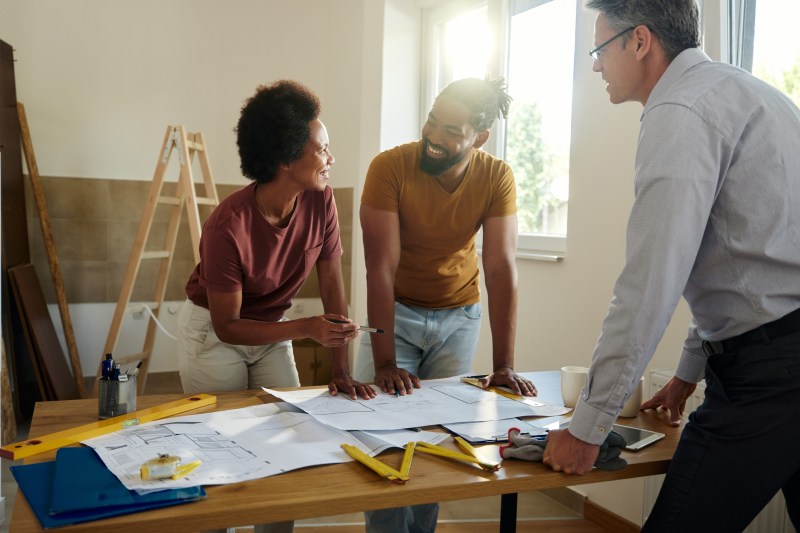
x,y
741,446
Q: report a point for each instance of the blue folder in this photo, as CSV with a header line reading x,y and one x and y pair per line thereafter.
x,y
77,487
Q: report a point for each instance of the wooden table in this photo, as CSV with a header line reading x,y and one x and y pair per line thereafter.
x,y
334,489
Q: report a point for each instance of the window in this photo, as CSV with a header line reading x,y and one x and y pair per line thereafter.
x,y
776,45
502,37
459,44
537,139
762,40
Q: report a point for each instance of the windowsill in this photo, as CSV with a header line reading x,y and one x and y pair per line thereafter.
x,y
533,255
552,257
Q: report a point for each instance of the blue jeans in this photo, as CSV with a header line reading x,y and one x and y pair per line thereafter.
x,y
431,343
740,447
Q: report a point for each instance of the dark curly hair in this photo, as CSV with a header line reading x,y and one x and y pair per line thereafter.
x,y
274,127
486,99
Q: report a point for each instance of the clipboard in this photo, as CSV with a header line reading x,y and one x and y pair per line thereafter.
x,y
77,487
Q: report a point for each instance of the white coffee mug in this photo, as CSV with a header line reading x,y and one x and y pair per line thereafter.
x,y
573,380
631,407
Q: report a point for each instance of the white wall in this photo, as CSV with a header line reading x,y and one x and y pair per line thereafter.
x,y
101,79
392,111
91,323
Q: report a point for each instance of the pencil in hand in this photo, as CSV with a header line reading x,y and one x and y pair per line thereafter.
x,y
360,328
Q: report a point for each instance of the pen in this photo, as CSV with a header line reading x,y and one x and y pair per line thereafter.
x,y
370,330
136,370
108,366
361,328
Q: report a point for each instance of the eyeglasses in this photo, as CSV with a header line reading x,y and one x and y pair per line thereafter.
x,y
595,53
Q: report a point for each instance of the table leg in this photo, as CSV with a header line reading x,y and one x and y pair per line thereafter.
x,y
508,513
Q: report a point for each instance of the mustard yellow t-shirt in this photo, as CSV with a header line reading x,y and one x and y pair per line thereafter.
x,y
438,261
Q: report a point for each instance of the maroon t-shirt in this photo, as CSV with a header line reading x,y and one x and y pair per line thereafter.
x,y
241,251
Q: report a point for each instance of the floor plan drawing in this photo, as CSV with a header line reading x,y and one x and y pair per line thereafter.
x,y
437,402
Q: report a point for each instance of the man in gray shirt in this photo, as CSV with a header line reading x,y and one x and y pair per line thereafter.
x,y
716,219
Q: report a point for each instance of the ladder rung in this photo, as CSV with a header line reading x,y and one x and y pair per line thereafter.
x,y
159,254
206,201
152,305
192,145
169,200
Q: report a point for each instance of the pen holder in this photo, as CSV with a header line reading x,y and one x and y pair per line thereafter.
x,y
116,397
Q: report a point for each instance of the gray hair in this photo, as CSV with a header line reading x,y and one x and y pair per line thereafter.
x,y
674,22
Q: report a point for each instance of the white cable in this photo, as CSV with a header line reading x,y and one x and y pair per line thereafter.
x,y
145,307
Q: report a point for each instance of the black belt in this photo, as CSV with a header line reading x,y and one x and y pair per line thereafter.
x,y
765,333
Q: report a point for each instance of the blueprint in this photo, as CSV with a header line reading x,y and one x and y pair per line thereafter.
x,y
441,401
236,445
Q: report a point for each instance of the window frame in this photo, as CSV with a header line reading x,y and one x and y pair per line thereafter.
x,y
546,247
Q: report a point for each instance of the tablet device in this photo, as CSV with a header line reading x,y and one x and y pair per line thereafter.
x,y
637,438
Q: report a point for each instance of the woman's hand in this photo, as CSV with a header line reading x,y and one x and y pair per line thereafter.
x,y
331,330
347,385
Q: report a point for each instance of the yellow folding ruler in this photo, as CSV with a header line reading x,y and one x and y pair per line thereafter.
x,y
471,455
476,381
95,429
381,468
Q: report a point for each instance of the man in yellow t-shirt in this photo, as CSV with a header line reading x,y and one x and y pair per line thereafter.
x,y
422,206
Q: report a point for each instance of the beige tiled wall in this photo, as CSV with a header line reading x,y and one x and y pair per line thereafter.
x,y
94,224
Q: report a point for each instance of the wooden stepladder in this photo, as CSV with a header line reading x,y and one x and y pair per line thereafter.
x,y
186,146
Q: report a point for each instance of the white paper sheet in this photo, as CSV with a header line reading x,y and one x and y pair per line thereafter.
x,y
493,430
441,401
378,441
236,445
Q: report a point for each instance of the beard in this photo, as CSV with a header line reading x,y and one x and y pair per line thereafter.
x,y
437,167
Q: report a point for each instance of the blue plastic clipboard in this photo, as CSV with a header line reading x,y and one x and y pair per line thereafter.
x,y
77,487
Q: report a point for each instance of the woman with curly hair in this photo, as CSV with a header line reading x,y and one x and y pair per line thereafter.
x,y
258,247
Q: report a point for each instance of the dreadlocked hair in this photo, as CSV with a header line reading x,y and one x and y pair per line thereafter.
x,y
486,99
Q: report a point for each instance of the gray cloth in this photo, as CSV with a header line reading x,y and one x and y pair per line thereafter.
x,y
532,449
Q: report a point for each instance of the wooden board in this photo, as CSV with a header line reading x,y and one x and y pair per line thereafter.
x,y
50,247
53,364
9,420
14,234
14,219
33,364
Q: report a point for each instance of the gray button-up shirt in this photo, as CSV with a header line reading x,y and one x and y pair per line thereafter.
x,y
716,218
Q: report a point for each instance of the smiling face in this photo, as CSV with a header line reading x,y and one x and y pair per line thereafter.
x,y
311,171
617,63
448,138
